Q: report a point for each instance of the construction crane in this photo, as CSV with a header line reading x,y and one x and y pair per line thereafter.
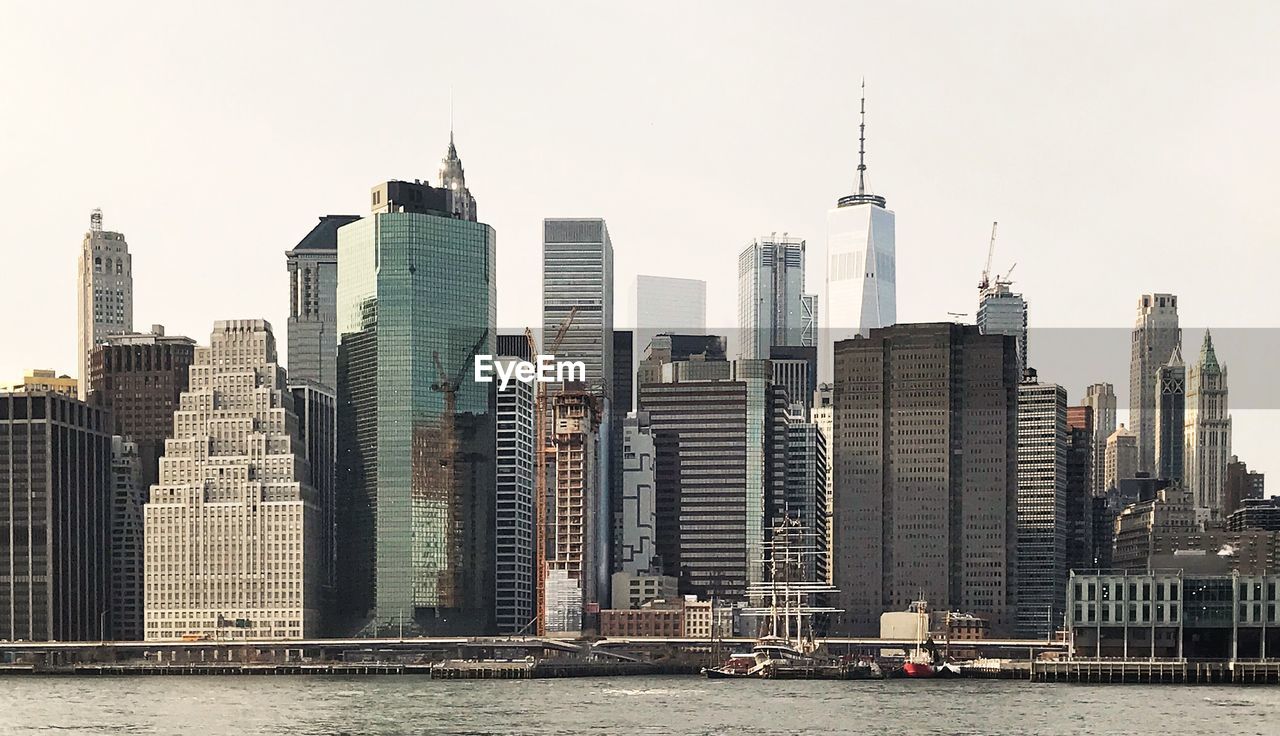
x,y
540,481
1005,279
956,316
991,251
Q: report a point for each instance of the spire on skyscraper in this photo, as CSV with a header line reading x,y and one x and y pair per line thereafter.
x,y
861,196
862,140
1175,358
453,179
1208,358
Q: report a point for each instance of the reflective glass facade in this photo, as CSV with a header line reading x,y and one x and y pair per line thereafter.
x,y
416,303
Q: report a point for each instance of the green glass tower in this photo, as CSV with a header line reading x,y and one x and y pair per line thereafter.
x,y
416,303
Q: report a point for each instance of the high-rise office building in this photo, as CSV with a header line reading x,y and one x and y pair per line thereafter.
x,y
575,575
806,494
416,304
1171,417
823,415
772,306
514,529
234,537
1101,398
1042,506
713,483
1207,433
313,302
861,289
795,368
669,305
623,403
926,485
637,537
1120,462
1155,335
128,495
55,507
1079,490
139,377
316,407
1002,312
577,279
104,291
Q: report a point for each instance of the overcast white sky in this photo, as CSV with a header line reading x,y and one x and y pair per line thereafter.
x,y
1124,147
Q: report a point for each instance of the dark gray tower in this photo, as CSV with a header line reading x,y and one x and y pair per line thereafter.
x,y
1171,411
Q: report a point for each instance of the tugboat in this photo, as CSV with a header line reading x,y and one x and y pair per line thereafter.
x,y
787,648
924,660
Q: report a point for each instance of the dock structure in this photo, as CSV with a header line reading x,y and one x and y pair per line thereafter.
x,y
1155,671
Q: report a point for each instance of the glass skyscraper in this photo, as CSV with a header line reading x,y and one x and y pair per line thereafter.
x,y
416,303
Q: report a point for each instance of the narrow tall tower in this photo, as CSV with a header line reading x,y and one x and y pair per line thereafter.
x,y
1155,333
861,292
1207,433
1171,408
104,292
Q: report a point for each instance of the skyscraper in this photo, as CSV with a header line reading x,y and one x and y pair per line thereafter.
x,y
234,537
1101,398
806,493
55,507
575,575
514,528
1171,417
926,485
416,303
1155,334
795,368
1207,433
128,495
1079,488
313,302
1121,459
316,407
671,305
823,414
861,289
772,306
577,278
1002,312
637,553
714,481
140,378
1042,506
104,291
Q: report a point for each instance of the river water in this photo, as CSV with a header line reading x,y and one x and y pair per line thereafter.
x,y
664,706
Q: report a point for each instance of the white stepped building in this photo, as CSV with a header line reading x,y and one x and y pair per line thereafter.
x,y
233,531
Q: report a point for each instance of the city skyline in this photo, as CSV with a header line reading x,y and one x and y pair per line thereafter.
x,y
1136,163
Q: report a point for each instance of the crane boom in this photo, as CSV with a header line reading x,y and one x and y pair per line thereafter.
x,y
991,251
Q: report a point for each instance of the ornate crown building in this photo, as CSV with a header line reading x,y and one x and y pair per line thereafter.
x,y
233,533
1207,433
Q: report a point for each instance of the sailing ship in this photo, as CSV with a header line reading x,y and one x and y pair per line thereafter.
x,y
787,604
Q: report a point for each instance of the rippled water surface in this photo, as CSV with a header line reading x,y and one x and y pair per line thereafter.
x,y
669,706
